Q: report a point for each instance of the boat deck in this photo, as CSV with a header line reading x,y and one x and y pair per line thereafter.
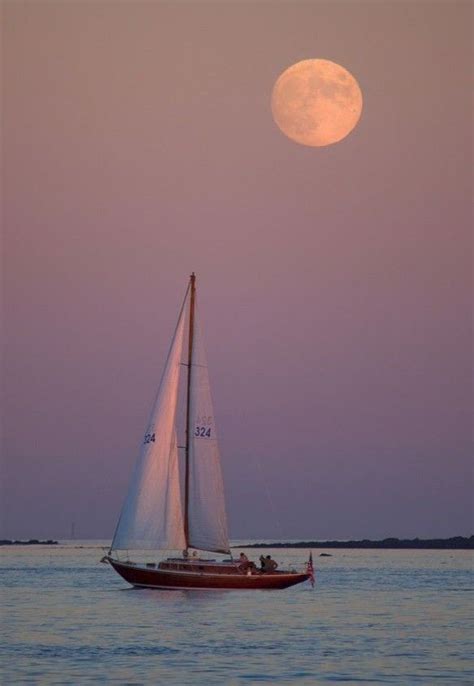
x,y
203,566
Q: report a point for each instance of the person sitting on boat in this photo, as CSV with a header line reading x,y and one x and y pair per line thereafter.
x,y
244,563
269,565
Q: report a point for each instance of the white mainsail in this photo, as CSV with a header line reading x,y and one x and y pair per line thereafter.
x,y
207,521
152,515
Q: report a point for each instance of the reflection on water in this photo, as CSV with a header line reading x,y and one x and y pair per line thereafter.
x,y
387,617
162,597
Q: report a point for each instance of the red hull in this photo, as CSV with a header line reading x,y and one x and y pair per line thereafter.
x,y
225,580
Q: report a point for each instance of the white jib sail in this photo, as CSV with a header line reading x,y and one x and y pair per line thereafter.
x,y
207,515
152,515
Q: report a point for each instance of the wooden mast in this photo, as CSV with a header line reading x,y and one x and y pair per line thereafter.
x,y
192,285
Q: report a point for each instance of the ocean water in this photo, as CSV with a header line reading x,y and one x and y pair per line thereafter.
x,y
374,617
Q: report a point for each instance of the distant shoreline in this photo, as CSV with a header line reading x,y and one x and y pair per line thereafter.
x,y
454,543
31,541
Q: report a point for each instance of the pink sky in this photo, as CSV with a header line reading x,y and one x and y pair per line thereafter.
x,y
335,283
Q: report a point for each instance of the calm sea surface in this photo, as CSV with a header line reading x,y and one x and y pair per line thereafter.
x,y
375,617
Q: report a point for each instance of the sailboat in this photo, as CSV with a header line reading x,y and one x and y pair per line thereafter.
x,y
160,513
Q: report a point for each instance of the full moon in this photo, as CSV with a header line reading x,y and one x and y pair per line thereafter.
x,y
316,102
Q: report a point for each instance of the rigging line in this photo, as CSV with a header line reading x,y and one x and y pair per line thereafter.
x,y
153,407
169,351
258,462
273,509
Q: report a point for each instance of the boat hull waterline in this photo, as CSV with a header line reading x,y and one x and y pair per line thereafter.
x,y
180,580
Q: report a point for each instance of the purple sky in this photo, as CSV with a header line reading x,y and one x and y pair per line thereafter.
x,y
334,283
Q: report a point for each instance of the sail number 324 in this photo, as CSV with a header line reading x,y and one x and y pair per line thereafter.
x,y
202,431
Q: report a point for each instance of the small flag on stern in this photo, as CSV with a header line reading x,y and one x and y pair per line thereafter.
x,y
310,569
